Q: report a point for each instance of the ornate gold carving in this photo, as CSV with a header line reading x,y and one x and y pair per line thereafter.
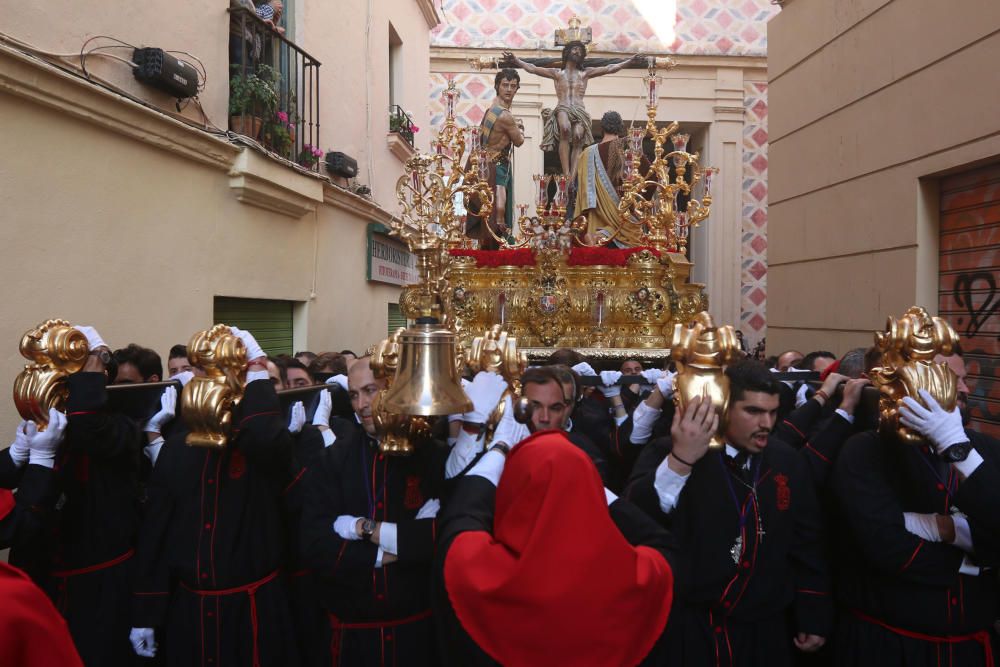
x,y
702,353
55,349
908,347
207,402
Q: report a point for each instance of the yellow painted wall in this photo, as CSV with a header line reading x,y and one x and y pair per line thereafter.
x,y
870,102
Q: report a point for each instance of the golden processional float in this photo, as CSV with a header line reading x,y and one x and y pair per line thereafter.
x,y
545,288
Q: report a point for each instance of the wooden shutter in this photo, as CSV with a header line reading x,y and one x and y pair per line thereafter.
x,y
969,296
269,320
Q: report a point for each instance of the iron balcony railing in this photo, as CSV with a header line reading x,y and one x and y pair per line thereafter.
x,y
401,123
273,89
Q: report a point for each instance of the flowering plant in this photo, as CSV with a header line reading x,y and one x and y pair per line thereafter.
x,y
309,156
279,133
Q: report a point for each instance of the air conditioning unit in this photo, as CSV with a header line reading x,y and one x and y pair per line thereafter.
x,y
339,164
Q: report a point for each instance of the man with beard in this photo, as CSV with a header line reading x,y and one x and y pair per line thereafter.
x,y
922,529
499,133
569,124
749,568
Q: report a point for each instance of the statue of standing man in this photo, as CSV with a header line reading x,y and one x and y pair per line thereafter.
x,y
569,123
499,133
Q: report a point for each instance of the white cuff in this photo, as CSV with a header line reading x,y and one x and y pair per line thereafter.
x,y
963,534
969,568
47,461
388,539
378,557
490,466
18,455
462,453
643,418
800,396
969,465
328,436
152,450
621,420
253,376
344,526
609,496
843,413
668,485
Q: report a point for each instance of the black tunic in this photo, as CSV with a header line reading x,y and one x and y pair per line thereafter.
x,y
471,508
378,616
213,543
307,611
729,613
96,522
892,577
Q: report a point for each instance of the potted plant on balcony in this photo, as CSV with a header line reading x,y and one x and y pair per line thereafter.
x,y
309,156
251,99
279,134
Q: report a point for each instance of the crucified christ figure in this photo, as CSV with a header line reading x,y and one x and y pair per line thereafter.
x,y
569,123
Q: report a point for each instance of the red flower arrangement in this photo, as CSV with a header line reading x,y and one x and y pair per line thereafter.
x,y
492,258
603,256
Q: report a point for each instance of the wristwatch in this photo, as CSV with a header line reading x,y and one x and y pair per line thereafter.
x,y
957,453
367,528
501,447
103,354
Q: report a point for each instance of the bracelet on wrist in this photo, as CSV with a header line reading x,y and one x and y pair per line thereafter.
x,y
680,460
821,394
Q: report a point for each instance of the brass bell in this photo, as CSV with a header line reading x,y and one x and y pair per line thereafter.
x,y
427,381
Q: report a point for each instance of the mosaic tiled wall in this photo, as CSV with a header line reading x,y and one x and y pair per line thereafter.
x,y
477,96
753,312
703,27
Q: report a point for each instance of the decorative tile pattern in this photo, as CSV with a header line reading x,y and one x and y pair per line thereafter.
x,y
753,318
703,27
477,95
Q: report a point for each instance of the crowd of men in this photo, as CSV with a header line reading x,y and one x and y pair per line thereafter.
x,y
593,524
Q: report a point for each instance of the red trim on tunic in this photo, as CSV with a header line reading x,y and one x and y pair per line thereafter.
x,y
982,637
294,481
251,591
65,574
273,413
920,544
792,426
816,452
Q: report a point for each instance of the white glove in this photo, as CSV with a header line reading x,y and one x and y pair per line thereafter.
x,y
94,339
298,417
666,385
942,428
509,431
19,448
168,408
183,377
430,509
338,379
344,526
484,391
45,444
323,409
254,351
143,642
585,369
923,526
609,378
652,374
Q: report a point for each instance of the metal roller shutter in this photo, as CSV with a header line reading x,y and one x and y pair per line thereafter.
x,y
969,296
269,320
396,319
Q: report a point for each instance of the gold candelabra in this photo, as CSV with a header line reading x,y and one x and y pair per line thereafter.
x,y
649,195
427,192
